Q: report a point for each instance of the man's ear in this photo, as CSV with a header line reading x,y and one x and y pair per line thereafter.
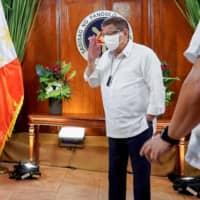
x,y
126,32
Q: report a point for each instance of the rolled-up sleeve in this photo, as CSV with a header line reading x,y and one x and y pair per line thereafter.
x,y
154,79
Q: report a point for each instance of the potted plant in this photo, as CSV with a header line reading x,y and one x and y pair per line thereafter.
x,y
55,84
167,80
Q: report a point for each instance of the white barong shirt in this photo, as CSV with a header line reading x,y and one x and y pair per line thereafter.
x,y
136,89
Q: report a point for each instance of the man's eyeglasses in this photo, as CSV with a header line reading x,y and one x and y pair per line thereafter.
x,y
111,33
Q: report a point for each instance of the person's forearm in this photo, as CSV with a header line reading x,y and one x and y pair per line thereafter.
x,y
90,68
187,111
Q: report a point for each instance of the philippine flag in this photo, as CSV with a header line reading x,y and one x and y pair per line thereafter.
x,y
11,82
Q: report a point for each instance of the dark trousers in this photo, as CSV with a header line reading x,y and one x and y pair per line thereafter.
x,y
119,150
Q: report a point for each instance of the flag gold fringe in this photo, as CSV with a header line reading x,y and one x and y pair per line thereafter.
x,y
12,124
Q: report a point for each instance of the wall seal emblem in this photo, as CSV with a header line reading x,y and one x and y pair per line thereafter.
x,y
91,25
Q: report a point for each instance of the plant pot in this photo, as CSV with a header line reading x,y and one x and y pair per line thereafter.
x,y
55,106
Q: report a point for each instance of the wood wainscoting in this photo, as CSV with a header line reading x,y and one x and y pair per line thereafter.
x,y
53,37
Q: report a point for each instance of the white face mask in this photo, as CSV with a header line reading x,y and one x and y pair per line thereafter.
x,y
112,41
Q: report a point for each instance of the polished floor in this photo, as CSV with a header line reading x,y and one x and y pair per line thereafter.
x,y
74,184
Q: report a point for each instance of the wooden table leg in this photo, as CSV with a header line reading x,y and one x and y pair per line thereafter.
x,y
182,156
36,144
31,141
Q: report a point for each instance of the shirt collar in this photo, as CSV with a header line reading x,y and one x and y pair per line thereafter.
x,y
127,50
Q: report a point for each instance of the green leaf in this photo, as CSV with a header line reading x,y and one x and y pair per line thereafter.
x,y
40,70
65,67
169,80
190,10
72,75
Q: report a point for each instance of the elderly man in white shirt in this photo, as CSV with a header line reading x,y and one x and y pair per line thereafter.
x,y
132,90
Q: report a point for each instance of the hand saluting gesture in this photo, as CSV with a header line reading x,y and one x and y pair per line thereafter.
x,y
94,50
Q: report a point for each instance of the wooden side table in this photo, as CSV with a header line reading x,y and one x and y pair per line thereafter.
x,y
37,120
161,124
79,120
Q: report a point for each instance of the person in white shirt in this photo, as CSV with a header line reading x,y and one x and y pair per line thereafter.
x,y
186,116
130,78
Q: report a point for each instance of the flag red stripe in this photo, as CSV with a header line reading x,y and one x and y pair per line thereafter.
x,y
11,92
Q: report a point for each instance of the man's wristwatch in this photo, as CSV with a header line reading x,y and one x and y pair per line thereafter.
x,y
164,136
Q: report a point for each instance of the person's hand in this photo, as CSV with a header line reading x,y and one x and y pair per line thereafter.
x,y
94,49
150,117
154,148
